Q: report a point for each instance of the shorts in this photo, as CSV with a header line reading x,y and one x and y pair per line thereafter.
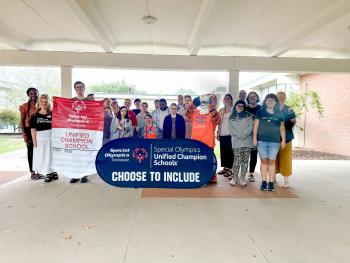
x,y
268,150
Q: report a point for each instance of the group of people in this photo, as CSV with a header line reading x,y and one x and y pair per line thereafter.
x,y
248,128
244,128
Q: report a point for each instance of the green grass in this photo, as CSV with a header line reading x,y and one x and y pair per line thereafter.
x,y
10,143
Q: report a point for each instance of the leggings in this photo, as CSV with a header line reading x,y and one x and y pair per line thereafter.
x,y
253,160
29,148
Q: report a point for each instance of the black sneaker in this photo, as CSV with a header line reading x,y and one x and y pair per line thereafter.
x,y
271,187
263,186
251,178
48,178
84,180
54,176
73,180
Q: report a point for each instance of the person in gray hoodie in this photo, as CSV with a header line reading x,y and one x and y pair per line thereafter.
x,y
240,125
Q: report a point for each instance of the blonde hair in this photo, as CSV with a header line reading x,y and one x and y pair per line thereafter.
x,y
37,105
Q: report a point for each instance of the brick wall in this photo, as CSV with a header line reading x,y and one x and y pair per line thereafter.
x,y
331,133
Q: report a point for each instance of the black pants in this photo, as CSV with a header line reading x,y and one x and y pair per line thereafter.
x,y
29,148
253,160
226,152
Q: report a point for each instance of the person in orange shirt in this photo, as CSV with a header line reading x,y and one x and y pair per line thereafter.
x,y
149,130
204,120
27,110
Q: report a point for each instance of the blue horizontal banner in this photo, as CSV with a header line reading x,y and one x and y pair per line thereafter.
x,y
156,163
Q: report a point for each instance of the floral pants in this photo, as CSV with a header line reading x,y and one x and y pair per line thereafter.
x,y
241,160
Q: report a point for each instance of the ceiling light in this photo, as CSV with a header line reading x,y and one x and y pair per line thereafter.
x,y
149,19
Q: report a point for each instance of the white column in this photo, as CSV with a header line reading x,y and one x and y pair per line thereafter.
x,y
66,81
233,87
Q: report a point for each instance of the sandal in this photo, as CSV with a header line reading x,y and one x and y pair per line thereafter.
x,y
228,173
36,176
223,171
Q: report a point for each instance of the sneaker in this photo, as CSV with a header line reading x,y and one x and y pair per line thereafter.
x,y
233,182
48,178
54,176
73,180
214,179
242,183
251,178
84,180
263,186
271,187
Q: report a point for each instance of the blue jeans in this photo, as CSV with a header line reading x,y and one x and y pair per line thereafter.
x,y
268,150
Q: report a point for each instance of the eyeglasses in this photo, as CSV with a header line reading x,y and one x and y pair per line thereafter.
x,y
239,106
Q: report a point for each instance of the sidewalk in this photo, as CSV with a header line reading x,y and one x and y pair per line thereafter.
x,y
95,222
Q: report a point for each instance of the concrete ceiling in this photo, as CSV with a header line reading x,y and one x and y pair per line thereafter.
x,y
268,28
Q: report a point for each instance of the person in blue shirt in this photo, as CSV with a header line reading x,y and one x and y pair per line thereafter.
x,y
269,136
285,156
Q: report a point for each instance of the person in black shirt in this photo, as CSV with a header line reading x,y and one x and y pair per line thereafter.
x,y
253,107
40,126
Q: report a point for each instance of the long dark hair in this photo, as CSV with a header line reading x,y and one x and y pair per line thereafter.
x,y
256,94
272,96
230,96
119,116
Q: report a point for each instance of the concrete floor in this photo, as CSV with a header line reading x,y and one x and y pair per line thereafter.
x,y
59,222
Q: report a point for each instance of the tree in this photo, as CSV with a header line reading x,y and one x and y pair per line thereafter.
x,y
301,102
10,117
118,87
19,79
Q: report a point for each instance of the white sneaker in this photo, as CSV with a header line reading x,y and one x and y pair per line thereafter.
x,y
233,182
242,183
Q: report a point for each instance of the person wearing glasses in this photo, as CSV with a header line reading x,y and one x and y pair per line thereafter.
x,y
269,135
240,125
253,107
285,156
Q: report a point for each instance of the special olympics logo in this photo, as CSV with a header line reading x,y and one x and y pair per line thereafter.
x,y
140,154
78,105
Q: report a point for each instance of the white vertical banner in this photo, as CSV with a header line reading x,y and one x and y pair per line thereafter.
x,y
77,134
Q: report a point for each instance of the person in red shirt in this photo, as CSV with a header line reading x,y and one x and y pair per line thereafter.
x,y
27,110
204,120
